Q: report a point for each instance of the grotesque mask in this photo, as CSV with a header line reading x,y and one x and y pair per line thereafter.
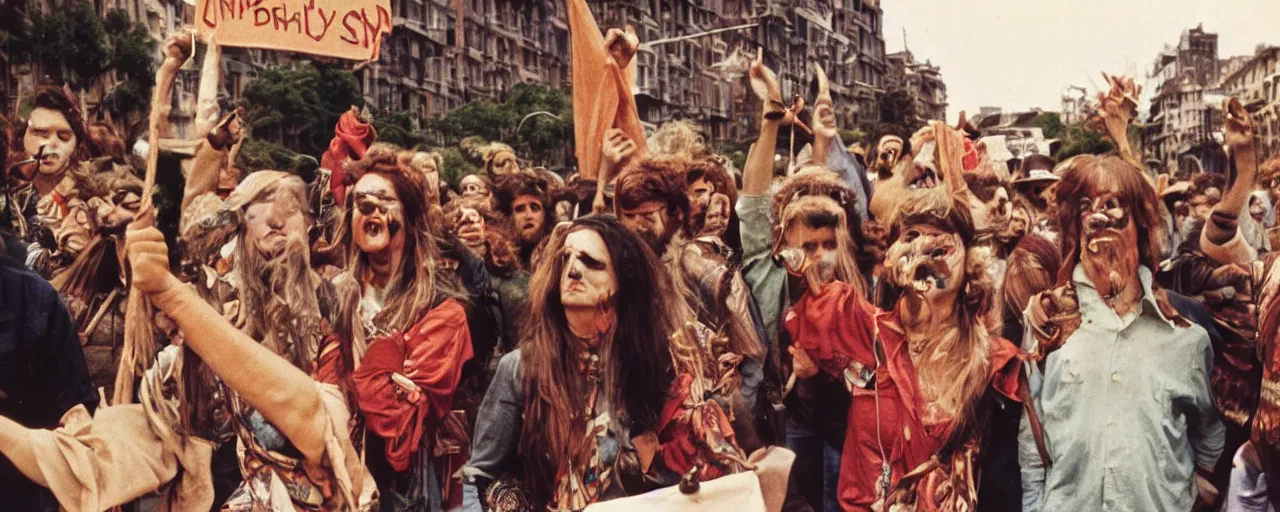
x,y
275,221
888,151
473,185
927,260
650,222
588,280
1108,241
503,162
377,217
427,164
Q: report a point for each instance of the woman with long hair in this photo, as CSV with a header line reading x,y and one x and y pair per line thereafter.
x,y
571,415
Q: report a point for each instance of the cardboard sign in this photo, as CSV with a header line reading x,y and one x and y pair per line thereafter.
x,y
348,29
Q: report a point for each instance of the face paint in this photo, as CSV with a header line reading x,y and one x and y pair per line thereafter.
x,y
927,261
273,222
529,216
716,219
811,252
1109,243
376,217
649,221
1256,209
588,279
49,129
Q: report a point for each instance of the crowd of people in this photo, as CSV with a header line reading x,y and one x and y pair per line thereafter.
x,y
905,323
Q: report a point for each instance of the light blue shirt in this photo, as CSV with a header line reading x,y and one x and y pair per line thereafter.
x,y
1126,410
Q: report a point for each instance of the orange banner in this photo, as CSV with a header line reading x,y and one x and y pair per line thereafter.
x,y
348,29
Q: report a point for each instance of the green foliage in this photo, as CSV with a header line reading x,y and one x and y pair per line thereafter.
x,y
67,44
1081,141
456,166
398,129
132,57
261,154
1052,125
897,109
299,106
540,136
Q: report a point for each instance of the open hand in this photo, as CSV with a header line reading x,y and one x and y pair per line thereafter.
x,y
148,255
617,147
1117,106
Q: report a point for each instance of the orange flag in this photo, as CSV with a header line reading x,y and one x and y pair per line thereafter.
x,y
602,97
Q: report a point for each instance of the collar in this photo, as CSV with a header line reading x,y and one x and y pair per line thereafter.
x,y
1147,305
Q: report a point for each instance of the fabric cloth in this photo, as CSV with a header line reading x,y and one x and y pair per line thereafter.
x,y
602,97
1248,489
430,354
1126,410
766,278
124,452
840,331
351,139
42,372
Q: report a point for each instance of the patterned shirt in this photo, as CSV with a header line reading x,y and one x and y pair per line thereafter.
x,y
1126,410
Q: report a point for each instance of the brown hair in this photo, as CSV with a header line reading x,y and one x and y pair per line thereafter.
x,y
417,286
104,141
55,98
635,355
1032,268
658,179
1087,176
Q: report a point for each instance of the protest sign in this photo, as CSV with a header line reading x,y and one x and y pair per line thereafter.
x,y
349,29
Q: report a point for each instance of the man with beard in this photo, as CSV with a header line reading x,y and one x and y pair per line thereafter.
x,y
1112,360
525,199
297,448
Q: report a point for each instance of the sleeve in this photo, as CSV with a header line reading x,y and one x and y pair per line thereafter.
x,y
497,431
851,172
65,375
1032,467
1237,250
1204,427
754,226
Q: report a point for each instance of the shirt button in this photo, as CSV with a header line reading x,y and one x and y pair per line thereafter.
x,y
1115,377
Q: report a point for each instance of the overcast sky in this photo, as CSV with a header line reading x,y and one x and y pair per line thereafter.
x,y
1019,54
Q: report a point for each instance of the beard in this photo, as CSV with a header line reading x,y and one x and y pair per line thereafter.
x,y
279,293
1110,261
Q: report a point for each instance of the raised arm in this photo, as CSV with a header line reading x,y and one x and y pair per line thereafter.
x,y
758,170
211,156
176,51
618,148
1116,108
207,98
1221,238
286,396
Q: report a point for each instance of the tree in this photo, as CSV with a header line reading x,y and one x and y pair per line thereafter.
x,y
1051,124
132,60
397,128
299,106
1081,141
897,109
540,137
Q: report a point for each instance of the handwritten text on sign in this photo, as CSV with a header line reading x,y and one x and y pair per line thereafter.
x,y
349,29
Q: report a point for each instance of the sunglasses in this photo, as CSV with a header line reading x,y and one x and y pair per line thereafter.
x,y
367,203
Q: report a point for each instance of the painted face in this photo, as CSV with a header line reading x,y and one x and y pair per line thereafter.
x,y
588,279
1256,210
699,195
818,245
650,222
505,163
717,216
888,151
529,216
274,221
1201,206
118,208
927,260
377,217
473,186
49,129
1108,241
